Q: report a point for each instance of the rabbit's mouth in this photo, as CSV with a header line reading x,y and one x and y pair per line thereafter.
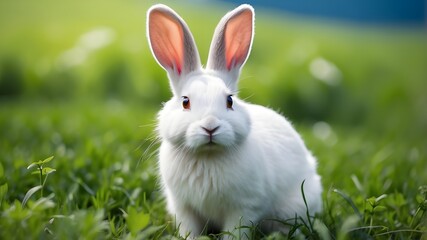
x,y
211,143
210,147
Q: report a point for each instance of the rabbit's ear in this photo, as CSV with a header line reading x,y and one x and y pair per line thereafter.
x,y
232,41
171,42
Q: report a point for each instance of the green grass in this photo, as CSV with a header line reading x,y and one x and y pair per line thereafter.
x,y
366,123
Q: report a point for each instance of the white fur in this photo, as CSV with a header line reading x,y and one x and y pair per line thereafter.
x,y
256,164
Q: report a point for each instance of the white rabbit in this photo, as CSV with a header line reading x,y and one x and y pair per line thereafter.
x,y
224,163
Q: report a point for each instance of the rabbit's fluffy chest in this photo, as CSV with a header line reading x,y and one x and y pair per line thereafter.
x,y
212,186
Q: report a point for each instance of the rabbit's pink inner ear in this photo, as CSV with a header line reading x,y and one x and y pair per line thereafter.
x,y
238,37
167,40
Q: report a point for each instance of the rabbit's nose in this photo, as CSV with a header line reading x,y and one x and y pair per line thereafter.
x,y
210,131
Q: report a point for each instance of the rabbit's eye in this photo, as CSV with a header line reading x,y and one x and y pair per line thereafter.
x,y
185,102
229,102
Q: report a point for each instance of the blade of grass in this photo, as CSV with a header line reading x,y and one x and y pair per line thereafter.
x,y
350,202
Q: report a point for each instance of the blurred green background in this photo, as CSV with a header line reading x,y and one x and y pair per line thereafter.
x,y
311,70
78,81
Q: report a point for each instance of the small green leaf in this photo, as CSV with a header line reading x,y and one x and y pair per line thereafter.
x,y
419,199
32,165
35,172
371,201
47,160
48,170
378,199
369,208
380,209
30,193
399,200
136,221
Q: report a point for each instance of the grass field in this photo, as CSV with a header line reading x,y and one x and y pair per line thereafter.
x,y
78,82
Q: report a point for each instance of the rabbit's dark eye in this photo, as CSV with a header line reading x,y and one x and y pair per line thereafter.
x,y
229,102
185,102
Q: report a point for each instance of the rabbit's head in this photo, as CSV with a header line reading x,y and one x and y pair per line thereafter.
x,y
204,112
